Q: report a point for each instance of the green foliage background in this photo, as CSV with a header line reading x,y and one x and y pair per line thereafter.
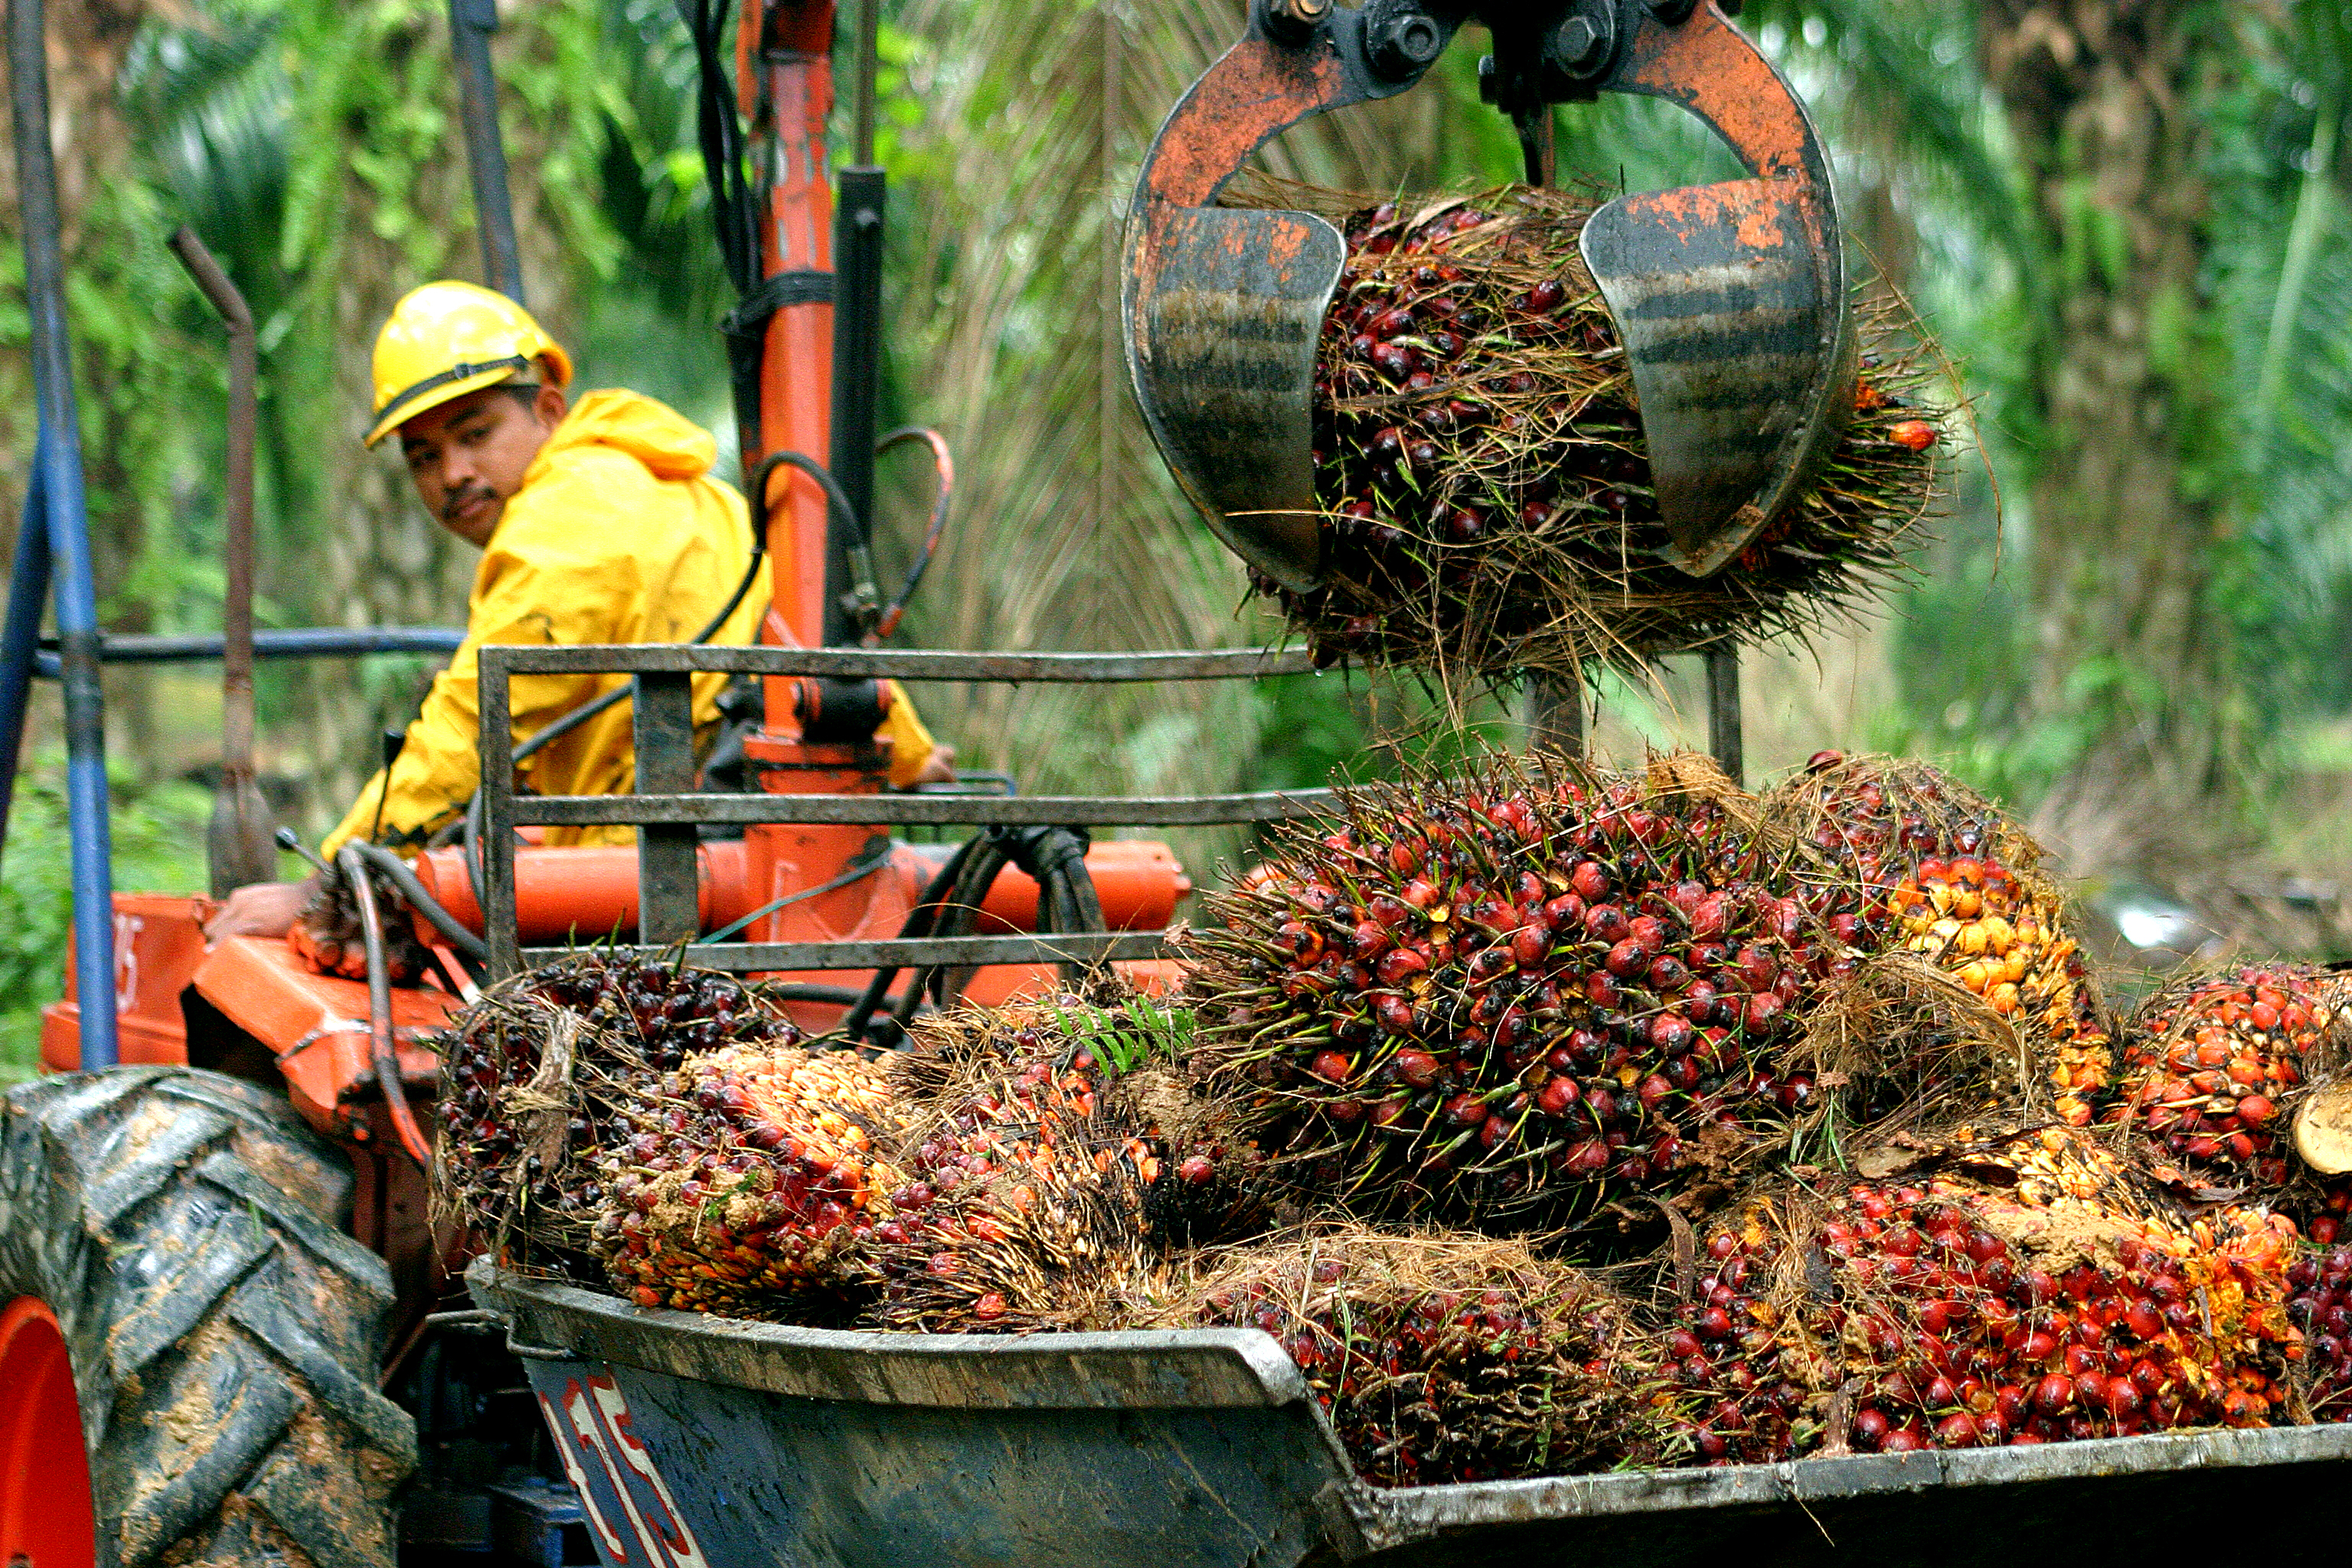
x,y
314,145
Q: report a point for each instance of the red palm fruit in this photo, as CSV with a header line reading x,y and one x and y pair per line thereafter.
x,y
523,1136
2321,1305
1900,1292
1527,988
1052,1149
2207,1064
765,1190
1442,1358
1922,864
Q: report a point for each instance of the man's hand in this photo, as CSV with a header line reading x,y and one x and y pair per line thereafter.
x,y
261,909
939,767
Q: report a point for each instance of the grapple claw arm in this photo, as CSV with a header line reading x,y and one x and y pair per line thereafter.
x,y
1730,298
1222,307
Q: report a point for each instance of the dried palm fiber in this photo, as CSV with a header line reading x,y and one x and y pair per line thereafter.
x,y
537,1080
1482,472
2213,1067
1910,859
1897,1047
1952,1313
1440,1357
1518,993
1025,1176
1138,1053
754,1186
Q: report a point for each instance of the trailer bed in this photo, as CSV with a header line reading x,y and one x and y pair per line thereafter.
x,y
698,1440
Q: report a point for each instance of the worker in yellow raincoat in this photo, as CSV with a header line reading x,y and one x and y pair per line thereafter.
x,y
599,521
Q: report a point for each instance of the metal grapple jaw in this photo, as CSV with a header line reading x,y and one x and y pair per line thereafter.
x,y
1730,298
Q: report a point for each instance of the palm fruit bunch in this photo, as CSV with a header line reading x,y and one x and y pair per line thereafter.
x,y
669,1011
1020,1206
1898,1318
1441,1358
1529,991
2211,1069
539,1076
1480,470
2321,1305
1916,862
753,1186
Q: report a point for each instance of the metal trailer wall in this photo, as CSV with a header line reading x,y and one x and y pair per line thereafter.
x,y
702,1440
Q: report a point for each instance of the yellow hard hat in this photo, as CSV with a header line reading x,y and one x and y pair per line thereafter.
x,y
448,339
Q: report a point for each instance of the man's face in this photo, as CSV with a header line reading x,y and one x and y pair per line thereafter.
x,y
468,456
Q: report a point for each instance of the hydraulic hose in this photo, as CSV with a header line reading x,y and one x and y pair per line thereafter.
x,y
425,903
1056,858
380,1031
942,497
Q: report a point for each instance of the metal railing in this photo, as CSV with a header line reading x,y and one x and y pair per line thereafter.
x,y
667,811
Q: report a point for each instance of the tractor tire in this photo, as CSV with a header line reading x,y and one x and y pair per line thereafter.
x,y
182,1227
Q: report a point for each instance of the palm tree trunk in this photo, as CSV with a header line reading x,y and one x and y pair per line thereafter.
x,y
2100,95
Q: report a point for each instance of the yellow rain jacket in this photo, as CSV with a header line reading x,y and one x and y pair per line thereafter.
x,y
619,534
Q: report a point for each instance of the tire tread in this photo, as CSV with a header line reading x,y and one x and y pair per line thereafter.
x,y
224,1332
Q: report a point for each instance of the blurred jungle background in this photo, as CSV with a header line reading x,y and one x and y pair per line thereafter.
x,y
2124,220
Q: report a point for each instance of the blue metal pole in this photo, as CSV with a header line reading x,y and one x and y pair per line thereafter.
x,y
20,635
59,459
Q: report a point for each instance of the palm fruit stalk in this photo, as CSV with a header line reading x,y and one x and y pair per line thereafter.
x,y
1532,990
1480,470
752,1188
538,1078
1136,1054
1916,862
1898,1318
2213,1068
1441,1358
327,931
1021,1205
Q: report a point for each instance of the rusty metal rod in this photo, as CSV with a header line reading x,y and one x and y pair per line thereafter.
x,y
932,810
1556,714
1555,706
501,660
239,841
471,23
1724,737
899,953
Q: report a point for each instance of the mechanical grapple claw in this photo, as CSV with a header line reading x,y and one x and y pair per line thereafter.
x,y
1730,298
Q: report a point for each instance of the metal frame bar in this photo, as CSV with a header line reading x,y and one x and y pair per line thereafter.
x,y
471,23
890,664
29,592
58,459
668,909
284,642
1724,736
668,812
671,810
955,952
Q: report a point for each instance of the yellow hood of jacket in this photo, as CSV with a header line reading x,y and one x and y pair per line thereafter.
x,y
619,535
